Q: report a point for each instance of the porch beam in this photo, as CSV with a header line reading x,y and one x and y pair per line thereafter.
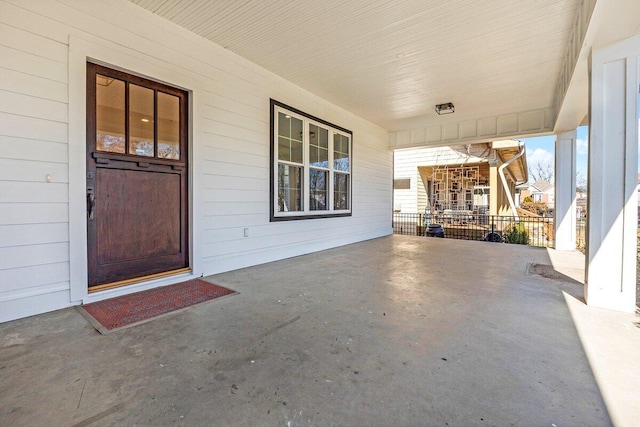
x,y
505,126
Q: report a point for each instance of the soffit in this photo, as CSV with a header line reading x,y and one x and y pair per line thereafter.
x,y
612,21
488,57
519,167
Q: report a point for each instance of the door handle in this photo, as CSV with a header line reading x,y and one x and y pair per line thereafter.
x,y
91,203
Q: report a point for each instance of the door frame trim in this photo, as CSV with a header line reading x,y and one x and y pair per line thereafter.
x,y
159,68
146,278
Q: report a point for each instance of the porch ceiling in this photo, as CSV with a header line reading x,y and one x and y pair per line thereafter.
x,y
391,61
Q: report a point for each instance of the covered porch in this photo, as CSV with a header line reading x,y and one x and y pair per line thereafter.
x,y
389,331
337,322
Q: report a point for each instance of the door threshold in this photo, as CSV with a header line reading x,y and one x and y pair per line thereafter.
x,y
126,282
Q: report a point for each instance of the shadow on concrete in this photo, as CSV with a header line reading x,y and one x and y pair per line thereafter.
x,y
548,271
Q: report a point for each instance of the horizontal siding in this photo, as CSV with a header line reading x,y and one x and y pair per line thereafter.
x,y
223,182
33,128
27,255
233,152
28,63
39,24
29,43
220,220
33,192
33,213
32,171
231,130
237,152
33,85
33,234
33,149
35,275
213,167
404,167
31,106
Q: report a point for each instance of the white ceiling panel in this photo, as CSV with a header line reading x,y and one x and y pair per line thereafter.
x,y
392,61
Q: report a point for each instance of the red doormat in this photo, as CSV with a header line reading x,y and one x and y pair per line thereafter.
x,y
120,312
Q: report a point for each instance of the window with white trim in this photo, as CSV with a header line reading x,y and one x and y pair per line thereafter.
x,y
310,166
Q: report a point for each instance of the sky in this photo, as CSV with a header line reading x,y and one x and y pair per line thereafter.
x,y
540,150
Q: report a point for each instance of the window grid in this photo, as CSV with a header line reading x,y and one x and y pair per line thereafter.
x,y
321,164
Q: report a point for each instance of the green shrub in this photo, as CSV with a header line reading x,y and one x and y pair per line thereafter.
x,y
516,234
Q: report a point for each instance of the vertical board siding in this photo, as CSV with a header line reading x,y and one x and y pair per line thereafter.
x,y
232,167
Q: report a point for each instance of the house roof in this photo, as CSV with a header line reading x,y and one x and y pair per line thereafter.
x,y
494,153
541,185
509,149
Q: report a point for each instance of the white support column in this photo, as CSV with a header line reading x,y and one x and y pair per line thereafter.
x,y
565,191
613,152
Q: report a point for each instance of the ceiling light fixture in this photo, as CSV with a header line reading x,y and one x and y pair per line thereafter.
x,y
446,108
103,81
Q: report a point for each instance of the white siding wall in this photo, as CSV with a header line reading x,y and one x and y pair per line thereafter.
x,y
405,167
231,167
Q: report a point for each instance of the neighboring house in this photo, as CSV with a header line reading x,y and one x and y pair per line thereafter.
x,y
581,205
462,177
540,191
520,188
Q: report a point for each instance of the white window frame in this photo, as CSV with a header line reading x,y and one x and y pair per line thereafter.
x,y
306,212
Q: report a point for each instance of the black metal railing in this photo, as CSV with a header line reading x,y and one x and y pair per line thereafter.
x,y
581,234
525,230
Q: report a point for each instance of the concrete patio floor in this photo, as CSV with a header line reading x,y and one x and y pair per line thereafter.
x,y
397,331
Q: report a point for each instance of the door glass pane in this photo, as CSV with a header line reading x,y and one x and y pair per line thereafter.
x,y
340,152
168,126
289,188
340,191
289,138
318,190
140,120
110,122
318,146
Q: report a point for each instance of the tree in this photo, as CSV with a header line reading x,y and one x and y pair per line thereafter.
x,y
581,183
541,172
537,208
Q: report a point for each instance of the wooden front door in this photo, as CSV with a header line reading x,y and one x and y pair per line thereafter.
x,y
136,177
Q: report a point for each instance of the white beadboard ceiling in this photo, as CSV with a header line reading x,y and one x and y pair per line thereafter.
x,y
391,61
